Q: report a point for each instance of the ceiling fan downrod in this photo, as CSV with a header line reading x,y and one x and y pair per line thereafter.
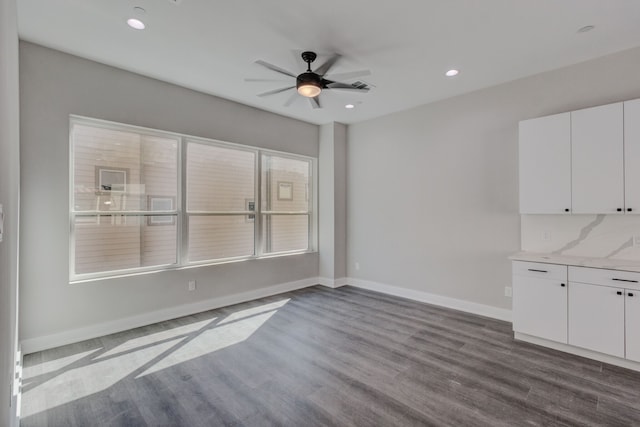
x,y
309,57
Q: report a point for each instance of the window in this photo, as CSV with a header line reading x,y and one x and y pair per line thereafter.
x,y
146,200
219,181
286,205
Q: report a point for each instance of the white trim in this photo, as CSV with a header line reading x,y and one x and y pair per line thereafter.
x,y
583,352
332,283
440,300
33,345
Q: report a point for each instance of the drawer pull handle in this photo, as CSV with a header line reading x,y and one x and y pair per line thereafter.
x,y
563,285
625,280
619,292
630,294
540,271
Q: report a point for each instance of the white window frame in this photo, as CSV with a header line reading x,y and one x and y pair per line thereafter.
x,y
311,203
180,209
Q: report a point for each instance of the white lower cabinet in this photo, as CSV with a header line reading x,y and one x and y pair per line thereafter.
x,y
596,318
540,305
632,325
590,308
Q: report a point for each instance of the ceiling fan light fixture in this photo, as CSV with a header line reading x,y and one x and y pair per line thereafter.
x,y
309,90
308,84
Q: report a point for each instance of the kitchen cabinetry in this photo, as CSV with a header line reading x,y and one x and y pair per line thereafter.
x,y
540,300
582,162
596,309
632,156
545,156
596,318
632,325
597,160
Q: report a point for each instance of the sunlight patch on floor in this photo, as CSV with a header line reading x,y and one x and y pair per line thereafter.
x,y
212,340
152,339
92,377
64,380
55,365
241,314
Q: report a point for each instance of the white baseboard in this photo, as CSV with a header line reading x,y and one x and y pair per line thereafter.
x,y
421,296
33,345
612,360
332,283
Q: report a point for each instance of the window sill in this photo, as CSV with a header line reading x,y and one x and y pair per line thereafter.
x,y
155,270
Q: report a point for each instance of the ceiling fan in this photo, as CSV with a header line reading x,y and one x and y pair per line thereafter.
x,y
311,83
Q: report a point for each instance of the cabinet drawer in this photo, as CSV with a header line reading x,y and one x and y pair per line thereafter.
x,y
540,270
599,276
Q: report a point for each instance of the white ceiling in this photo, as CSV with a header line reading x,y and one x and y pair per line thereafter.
x,y
211,45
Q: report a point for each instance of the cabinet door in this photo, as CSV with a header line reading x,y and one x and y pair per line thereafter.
x,y
632,156
632,325
597,176
540,308
545,165
596,318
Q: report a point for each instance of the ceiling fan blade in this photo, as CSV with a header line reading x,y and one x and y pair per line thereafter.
x,y
315,102
324,68
273,92
292,98
345,86
275,68
349,75
265,80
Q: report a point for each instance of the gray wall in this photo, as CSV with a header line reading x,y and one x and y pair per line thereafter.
x,y
9,198
433,191
54,85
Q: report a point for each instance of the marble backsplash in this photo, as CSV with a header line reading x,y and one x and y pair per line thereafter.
x,y
603,236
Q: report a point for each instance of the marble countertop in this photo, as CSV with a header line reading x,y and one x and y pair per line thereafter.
x,y
606,263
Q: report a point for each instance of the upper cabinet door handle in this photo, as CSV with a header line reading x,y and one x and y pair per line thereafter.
x,y
630,294
629,209
625,280
539,271
619,209
619,292
566,210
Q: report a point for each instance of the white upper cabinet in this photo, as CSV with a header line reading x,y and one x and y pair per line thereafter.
x,y
597,165
632,156
545,165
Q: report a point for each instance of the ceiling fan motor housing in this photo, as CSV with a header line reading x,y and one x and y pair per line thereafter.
x,y
308,78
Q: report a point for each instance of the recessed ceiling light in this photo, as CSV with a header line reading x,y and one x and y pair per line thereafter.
x,y
586,28
349,106
136,24
451,73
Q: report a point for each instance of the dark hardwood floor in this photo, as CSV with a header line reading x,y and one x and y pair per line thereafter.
x,y
319,356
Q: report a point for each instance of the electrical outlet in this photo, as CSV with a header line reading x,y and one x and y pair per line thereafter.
x,y
357,265
545,236
508,291
192,285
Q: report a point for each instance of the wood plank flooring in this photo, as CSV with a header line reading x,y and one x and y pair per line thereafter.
x,y
323,357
